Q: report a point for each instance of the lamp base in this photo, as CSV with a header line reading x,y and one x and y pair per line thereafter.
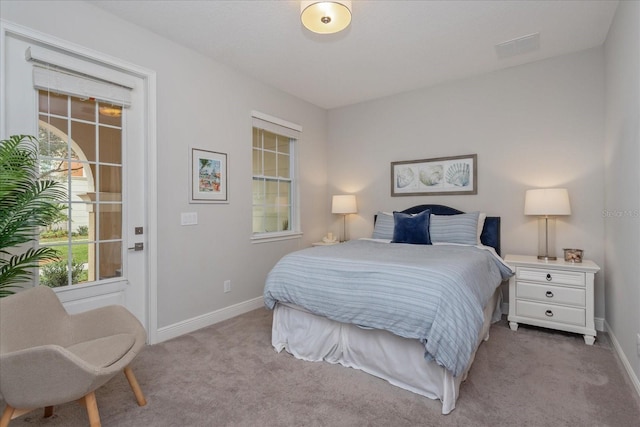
x,y
547,239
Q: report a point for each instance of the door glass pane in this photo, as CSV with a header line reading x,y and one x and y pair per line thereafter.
x,y
84,141
110,260
80,260
79,215
110,146
56,170
110,183
91,261
50,142
110,114
83,109
80,180
52,103
88,160
110,221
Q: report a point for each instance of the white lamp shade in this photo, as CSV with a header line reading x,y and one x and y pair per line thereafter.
x,y
325,17
547,202
344,204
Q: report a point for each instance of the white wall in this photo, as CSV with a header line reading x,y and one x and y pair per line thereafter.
x,y
622,188
536,125
202,104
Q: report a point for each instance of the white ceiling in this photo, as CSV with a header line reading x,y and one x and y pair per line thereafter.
x,y
390,46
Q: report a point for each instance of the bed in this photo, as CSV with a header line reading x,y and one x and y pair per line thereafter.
x,y
411,305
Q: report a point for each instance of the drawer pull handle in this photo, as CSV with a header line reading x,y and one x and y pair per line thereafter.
x,y
548,277
549,313
549,294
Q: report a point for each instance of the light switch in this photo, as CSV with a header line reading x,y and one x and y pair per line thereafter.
x,y
189,218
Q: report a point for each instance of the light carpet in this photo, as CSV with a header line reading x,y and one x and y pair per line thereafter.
x,y
229,375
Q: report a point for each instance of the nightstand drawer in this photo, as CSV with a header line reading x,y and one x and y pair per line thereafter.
x,y
551,313
562,277
551,294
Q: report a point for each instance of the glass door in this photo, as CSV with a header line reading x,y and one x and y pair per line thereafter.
x,y
98,151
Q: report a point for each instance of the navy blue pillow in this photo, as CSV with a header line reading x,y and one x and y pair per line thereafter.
x,y
412,229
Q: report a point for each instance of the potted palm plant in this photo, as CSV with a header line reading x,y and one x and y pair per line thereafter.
x,y
26,204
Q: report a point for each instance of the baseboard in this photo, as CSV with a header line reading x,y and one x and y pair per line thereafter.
x,y
623,359
598,321
208,319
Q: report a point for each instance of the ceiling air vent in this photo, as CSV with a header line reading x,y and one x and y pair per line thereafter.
x,y
518,46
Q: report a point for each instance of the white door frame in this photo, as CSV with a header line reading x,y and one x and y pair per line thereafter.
x,y
149,78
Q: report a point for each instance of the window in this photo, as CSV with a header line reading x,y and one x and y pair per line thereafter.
x,y
274,184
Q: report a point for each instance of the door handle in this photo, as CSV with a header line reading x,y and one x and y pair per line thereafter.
x,y
137,247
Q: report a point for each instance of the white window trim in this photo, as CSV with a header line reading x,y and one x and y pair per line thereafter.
x,y
275,120
275,236
297,233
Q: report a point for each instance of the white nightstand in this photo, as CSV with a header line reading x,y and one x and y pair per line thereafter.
x,y
552,294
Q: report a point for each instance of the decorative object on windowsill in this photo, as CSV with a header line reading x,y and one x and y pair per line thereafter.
x,y
573,255
325,17
344,205
547,203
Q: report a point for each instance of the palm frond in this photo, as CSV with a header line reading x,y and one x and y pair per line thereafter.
x,y
28,203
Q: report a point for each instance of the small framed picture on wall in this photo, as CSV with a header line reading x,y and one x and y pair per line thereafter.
x,y
209,178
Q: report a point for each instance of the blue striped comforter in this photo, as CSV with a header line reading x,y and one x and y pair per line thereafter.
x,y
433,293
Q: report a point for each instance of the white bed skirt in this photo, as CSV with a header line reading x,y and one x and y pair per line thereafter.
x,y
400,361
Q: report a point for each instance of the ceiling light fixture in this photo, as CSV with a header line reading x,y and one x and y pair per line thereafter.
x,y
325,17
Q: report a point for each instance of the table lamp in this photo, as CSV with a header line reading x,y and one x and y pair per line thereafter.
x,y
344,204
547,203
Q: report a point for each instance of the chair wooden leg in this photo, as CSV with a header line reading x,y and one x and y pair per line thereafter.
x,y
92,409
11,413
48,411
137,391
6,416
